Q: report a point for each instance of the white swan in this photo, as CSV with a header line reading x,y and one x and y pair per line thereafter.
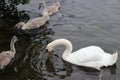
x,y
54,8
34,23
91,56
6,56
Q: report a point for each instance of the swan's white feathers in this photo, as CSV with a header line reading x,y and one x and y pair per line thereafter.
x,y
88,54
91,56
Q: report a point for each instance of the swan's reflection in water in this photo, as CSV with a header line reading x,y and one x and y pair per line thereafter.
x,y
84,73
50,67
111,71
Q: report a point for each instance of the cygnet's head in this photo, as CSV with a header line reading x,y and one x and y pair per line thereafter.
x,y
42,4
7,54
19,25
5,58
57,4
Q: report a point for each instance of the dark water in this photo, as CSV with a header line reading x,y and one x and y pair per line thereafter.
x,y
83,22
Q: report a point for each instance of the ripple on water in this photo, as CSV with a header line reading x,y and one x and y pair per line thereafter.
x,y
83,22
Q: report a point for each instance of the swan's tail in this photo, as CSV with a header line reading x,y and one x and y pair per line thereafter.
x,y
114,57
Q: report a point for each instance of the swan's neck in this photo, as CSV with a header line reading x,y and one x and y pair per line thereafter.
x,y
12,46
67,44
43,7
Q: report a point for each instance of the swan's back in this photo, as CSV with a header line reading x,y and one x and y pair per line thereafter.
x,y
89,56
5,58
90,49
53,8
92,56
91,53
36,22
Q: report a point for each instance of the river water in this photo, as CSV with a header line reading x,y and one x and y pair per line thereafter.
x,y
83,22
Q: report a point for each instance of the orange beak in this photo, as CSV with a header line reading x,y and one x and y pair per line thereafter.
x,y
49,53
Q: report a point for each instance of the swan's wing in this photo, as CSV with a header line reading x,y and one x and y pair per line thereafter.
x,y
34,23
37,22
88,54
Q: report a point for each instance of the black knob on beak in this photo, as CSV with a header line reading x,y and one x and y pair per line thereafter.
x,y
48,52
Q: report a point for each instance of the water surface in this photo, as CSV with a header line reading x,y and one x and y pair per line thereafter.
x,y
83,22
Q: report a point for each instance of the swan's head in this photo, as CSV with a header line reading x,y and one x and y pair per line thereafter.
x,y
57,4
50,48
19,25
42,4
59,42
5,58
7,54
